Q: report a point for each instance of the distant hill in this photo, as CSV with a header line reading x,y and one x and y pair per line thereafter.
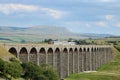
x,y
39,33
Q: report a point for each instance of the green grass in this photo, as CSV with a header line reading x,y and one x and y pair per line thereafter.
x,y
94,76
110,71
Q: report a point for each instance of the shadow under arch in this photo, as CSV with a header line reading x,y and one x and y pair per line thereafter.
x,y
65,62
42,56
71,55
23,54
13,51
80,60
88,59
50,56
57,60
76,58
85,58
33,55
93,58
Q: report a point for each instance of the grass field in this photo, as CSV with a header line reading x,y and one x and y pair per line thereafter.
x,y
110,71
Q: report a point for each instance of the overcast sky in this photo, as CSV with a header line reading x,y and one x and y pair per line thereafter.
x,y
80,16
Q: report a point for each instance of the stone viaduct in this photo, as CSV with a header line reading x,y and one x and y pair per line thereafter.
x,y
66,59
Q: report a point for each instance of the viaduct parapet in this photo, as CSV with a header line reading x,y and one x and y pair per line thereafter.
x,y
66,59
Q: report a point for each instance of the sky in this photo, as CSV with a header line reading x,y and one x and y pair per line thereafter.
x,y
79,16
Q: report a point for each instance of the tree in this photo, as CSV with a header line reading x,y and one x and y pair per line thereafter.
x,y
51,74
47,40
12,70
1,65
33,71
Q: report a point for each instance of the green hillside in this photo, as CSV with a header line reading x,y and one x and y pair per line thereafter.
x,y
4,54
110,71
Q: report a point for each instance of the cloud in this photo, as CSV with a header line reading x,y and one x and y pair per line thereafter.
x,y
109,17
13,8
118,24
101,24
10,8
54,13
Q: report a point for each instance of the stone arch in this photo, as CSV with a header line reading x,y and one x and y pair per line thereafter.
x,y
65,62
71,57
100,56
92,58
33,55
65,50
88,59
76,57
95,49
88,50
80,60
57,60
13,51
85,58
50,56
80,50
42,56
23,54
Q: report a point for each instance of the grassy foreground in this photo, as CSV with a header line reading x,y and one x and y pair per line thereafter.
x,y
110,71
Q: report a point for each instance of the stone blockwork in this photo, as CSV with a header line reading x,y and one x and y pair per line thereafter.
x,y
66,59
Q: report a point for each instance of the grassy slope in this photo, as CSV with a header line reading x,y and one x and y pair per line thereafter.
x,y
4,54
110,71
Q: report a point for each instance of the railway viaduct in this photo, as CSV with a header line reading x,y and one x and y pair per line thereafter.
x,y
66,59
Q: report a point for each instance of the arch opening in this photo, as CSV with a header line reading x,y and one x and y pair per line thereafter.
x,y
33,55
50,51
23,51
65,62
13,51
57,51
65,50
23,55
57,60
50,56
42,51
76,50
76,57
33,51
80,50
42,56
71,55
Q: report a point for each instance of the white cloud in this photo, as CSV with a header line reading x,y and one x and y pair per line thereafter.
x,y
118,24
10,8
101,24
109,17
13,8
54,13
